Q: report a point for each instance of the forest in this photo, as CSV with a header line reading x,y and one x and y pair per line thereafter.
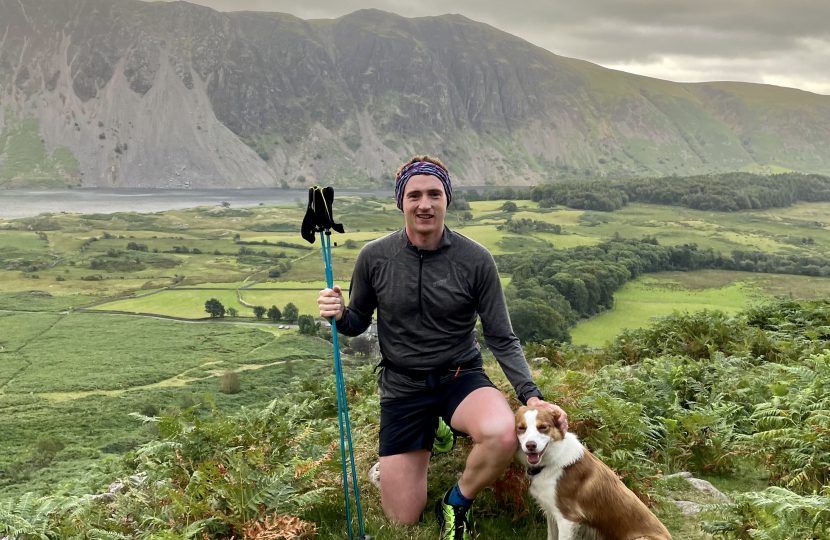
x,y
724,192
552,289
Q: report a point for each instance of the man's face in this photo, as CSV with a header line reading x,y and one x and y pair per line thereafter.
x,y
424,204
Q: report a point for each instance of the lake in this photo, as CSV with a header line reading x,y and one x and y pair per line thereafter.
x,y
27,203
19,203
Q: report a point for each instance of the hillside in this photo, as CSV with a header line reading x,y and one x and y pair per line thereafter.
x,y
123,93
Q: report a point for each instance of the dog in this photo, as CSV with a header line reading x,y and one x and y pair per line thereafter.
x,y
579,494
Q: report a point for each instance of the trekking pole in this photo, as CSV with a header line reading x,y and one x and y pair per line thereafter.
x,y
319,218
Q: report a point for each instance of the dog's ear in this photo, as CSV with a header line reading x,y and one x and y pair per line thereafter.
x,y
554,415
520,414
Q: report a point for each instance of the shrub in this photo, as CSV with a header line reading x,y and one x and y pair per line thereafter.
x,y
230,382
233,312
150,410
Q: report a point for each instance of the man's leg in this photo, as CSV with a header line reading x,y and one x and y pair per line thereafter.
x,y
486,417
403,485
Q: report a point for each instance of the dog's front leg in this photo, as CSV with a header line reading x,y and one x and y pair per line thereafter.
x,y
553,531
567,529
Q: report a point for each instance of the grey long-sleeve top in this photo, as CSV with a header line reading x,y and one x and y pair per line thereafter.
x,y
428,301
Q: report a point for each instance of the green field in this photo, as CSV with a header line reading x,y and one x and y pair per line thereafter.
x,y
185,304
78,376
663,293
306,301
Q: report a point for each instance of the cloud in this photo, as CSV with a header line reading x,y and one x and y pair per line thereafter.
x,y
784,42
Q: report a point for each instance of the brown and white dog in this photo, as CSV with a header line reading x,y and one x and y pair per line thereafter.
x,y
577,491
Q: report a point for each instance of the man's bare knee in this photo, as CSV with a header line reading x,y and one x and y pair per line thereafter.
x,y
404,510
507,442
499,437
408,515
403,486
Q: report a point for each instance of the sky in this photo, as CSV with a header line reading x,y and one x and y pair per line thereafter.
x,y
780,42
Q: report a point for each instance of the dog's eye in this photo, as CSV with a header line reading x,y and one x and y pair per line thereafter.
x,y
521,428
544,427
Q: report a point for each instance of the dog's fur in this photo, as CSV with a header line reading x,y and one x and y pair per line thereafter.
x,y
577,491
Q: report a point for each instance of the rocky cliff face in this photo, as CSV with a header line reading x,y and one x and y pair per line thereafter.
x,y
178,95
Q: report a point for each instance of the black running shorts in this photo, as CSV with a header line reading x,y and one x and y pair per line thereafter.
x,y
408,423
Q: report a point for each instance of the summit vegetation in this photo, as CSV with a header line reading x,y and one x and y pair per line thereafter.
x,y
741,401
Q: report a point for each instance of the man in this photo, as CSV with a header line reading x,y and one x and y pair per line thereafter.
x,y
429,285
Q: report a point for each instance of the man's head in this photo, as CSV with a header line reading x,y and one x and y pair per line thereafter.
x,y
423,192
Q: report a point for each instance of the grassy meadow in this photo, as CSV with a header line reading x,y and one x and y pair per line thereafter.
x,y
663,293
77,357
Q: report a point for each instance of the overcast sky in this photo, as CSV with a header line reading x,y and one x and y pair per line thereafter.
x,y
781,42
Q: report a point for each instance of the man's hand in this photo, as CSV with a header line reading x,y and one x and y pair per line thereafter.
x,y
331,303
561,422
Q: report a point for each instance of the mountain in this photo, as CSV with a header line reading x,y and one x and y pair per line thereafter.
x,y
124,93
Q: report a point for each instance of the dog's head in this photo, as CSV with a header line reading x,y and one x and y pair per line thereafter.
x,y
536,429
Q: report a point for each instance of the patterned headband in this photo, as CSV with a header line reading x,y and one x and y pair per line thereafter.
x,y
421,167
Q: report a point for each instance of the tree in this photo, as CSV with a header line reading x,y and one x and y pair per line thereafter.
x,y
259,311
467,216
509,206
307,326
290,312
361,345
132,246
233,312
536,321
351,244
214,308
274,273
274,313
226,205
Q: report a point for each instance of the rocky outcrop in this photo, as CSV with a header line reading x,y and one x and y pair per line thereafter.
x,y
688,508
178,95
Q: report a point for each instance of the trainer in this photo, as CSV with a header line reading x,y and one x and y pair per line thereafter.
x,y
429,285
